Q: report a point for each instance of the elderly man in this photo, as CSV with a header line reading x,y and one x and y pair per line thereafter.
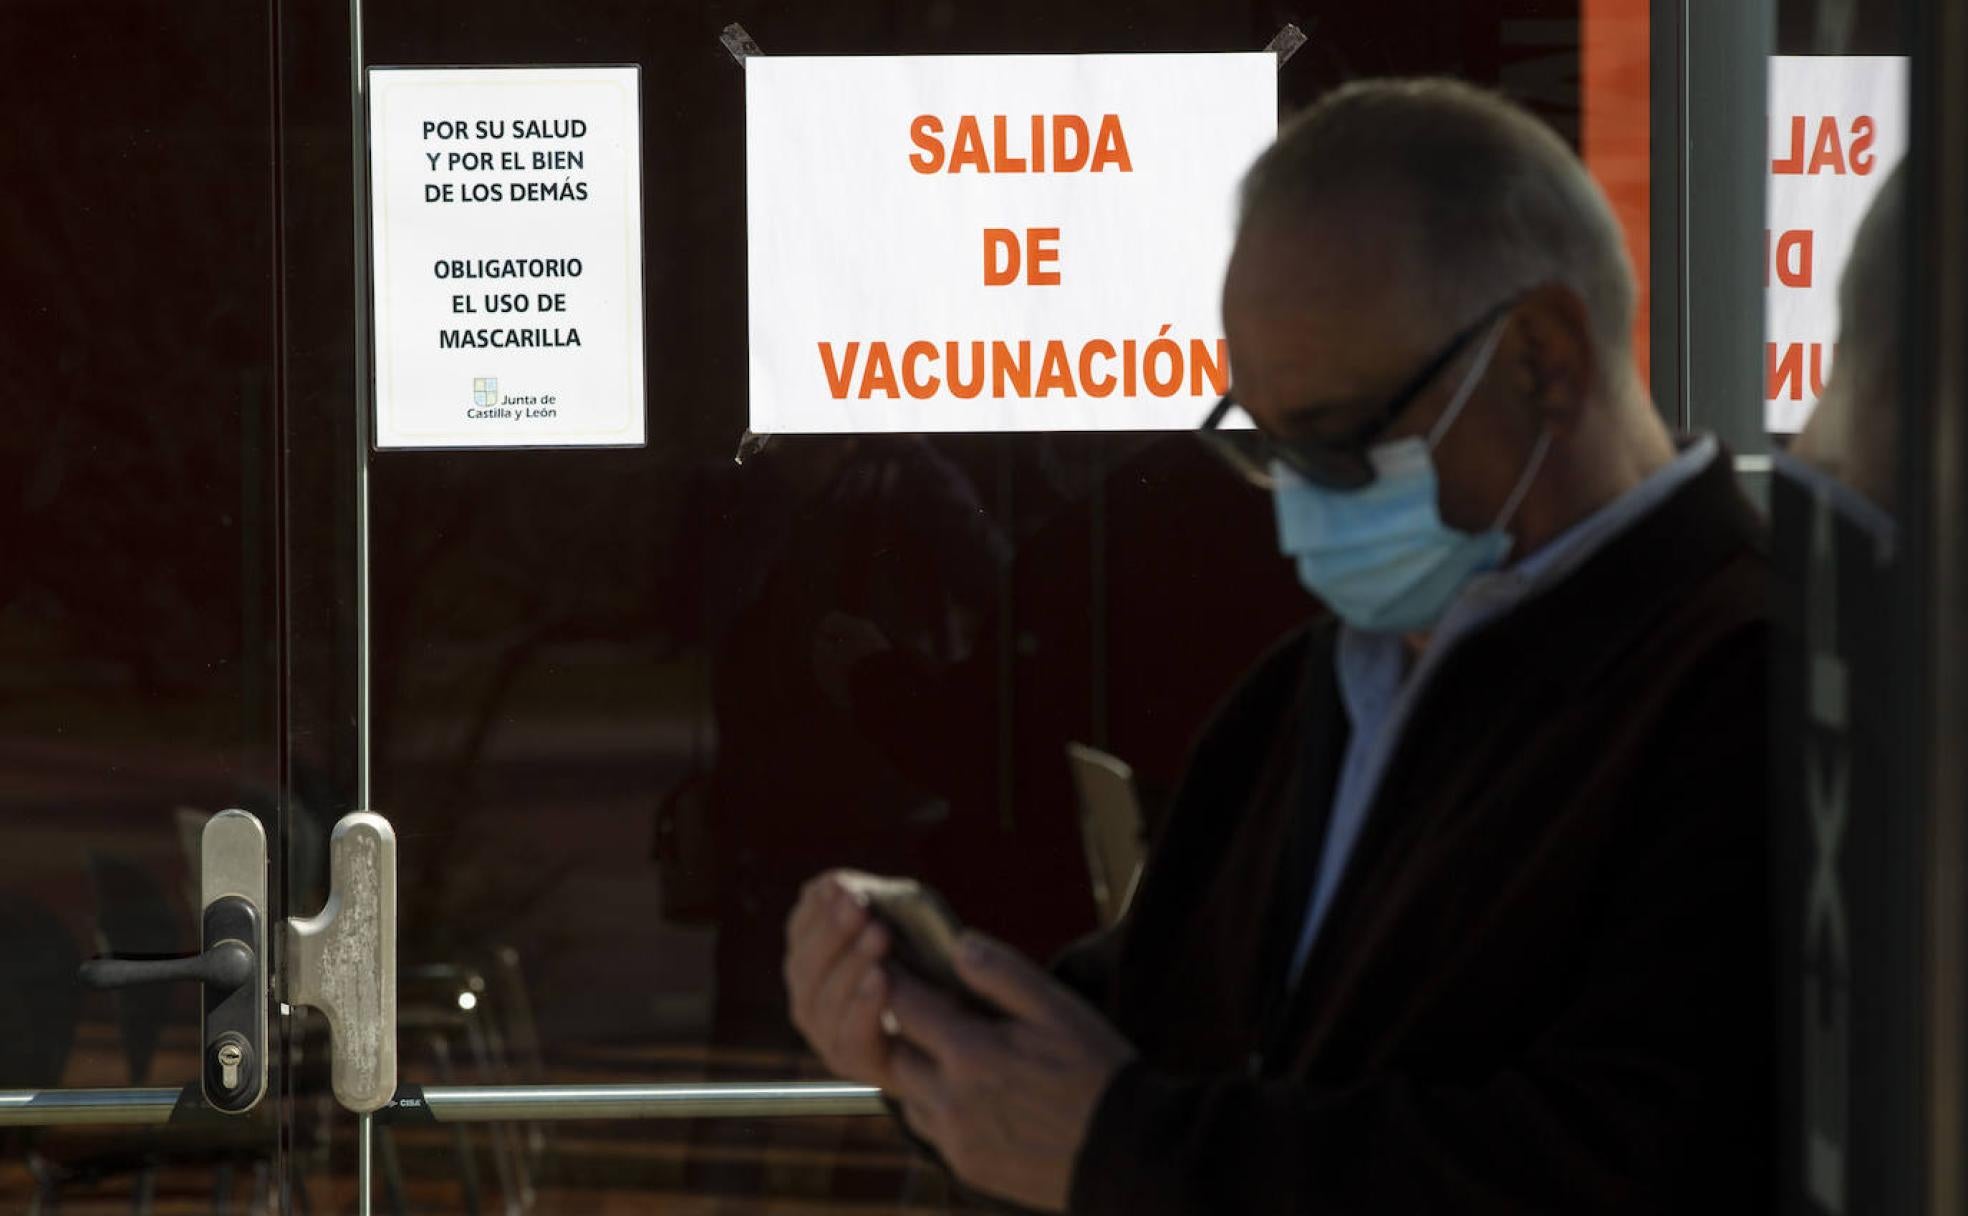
x,y
1461,906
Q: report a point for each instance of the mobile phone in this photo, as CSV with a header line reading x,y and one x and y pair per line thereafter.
x,y
1110,826
923,932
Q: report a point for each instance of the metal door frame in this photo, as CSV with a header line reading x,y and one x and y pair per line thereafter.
x,y
1933,455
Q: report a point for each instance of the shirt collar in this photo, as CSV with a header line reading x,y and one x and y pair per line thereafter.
x,y
1369,661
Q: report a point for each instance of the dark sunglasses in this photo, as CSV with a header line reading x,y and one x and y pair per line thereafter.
x,y
1341,464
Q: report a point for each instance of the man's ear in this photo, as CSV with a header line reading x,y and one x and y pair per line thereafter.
x,y
1557,359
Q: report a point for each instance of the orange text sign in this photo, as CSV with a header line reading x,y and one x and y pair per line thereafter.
x,y
994,243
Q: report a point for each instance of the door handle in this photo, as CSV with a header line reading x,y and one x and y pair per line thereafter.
x,y
230,967
341,962
226,965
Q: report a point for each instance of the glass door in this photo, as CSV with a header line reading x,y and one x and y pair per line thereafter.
x,y
141,614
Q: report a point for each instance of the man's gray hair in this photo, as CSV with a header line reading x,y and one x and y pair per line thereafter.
x,y
1489,200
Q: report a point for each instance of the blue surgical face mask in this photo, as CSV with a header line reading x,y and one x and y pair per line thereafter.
x,y
1380,556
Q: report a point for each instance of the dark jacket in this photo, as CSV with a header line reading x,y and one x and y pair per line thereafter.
x,y
1543,984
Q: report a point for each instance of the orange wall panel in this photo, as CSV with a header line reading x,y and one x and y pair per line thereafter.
x,y
1617,98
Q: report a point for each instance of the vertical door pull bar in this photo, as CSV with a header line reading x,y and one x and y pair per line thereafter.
x,y
343,961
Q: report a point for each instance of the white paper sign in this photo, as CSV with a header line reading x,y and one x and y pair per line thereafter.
x,y
506,238
1838,127
994,243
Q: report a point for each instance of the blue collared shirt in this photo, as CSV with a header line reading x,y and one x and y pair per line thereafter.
x,y
1379,692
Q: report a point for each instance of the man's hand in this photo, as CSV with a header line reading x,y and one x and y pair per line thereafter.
x,y
834,953
1007,1102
